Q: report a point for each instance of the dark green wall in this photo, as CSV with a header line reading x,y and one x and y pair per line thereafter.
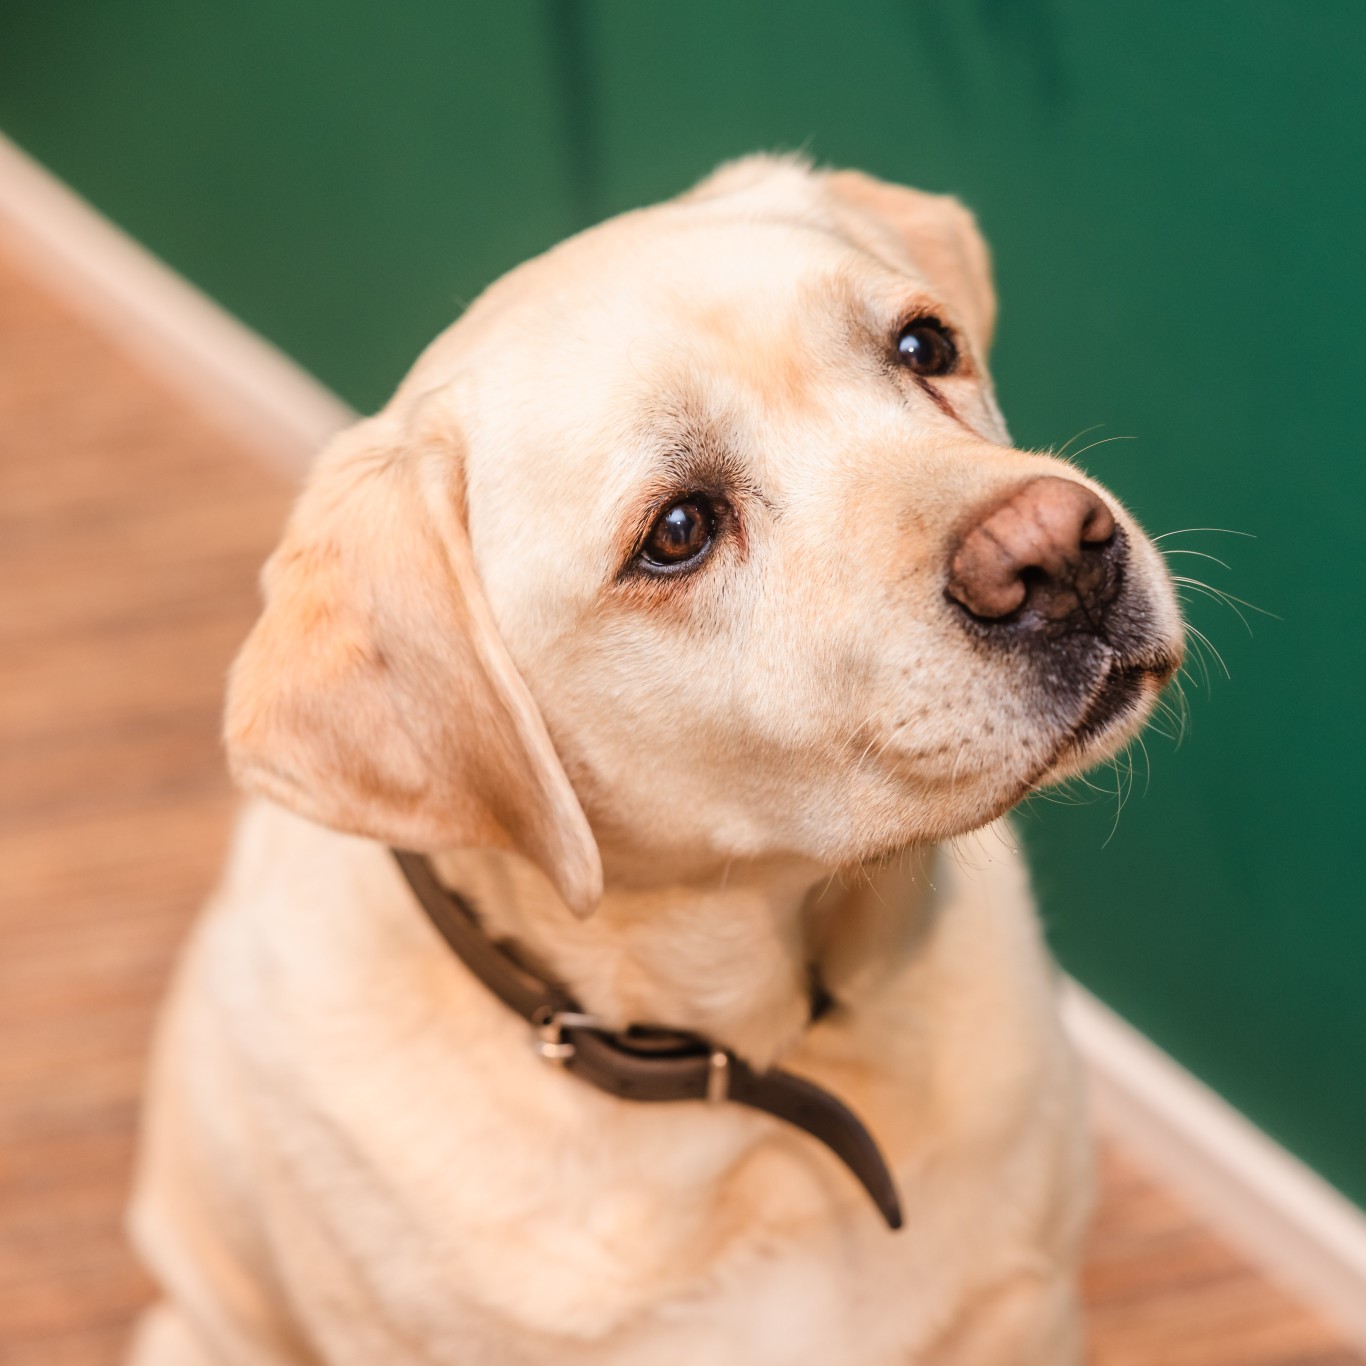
x,y
1176,198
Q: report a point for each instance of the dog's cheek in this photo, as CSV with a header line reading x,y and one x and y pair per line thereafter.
x,y
956,738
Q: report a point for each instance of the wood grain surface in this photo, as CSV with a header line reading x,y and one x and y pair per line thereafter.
x,y
130,536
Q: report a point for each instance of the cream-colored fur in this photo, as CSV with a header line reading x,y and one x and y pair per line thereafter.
x,y
678,794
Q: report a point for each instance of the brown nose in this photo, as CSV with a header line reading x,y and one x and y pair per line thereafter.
x,y
1050,552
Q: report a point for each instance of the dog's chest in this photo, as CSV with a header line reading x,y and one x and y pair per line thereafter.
x,y
436,1192
698,1242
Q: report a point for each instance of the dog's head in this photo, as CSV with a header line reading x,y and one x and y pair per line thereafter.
x,y
701,538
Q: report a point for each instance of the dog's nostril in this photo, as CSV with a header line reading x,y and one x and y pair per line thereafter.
x,y
1050,553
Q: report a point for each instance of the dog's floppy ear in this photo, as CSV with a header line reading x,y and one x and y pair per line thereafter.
x,y
375,695
936,232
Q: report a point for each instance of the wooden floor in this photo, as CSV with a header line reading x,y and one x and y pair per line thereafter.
x,y
130,533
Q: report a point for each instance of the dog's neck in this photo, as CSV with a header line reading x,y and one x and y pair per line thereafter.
x,y
731,957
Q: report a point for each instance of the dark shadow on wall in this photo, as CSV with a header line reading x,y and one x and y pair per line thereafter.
x,y
567,27
1025,34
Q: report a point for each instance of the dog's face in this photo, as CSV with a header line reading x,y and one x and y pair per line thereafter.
x,y
710,512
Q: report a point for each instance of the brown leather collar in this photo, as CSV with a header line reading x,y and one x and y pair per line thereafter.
x,y
642,1062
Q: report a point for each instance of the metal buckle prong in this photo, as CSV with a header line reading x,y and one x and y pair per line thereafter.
x,y
718,1076
550,1025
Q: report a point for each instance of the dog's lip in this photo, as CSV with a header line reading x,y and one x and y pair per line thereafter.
x,y
1113,702
1117,696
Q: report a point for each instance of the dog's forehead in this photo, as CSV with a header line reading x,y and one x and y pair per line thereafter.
x,y
710,293
626,317
655,283
678,322
738,243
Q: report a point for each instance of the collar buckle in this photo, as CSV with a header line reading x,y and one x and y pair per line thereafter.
x,y
718,1076
548,1026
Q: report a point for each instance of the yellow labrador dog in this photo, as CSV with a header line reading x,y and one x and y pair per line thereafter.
x,y
686,595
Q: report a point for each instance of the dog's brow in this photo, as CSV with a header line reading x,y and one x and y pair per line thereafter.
x,y
697,449
678,424
694,452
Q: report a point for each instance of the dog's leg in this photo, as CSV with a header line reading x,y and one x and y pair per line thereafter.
x,y
164,1338
1028,1321
195,1217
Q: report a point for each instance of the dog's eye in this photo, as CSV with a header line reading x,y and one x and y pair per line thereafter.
x,y
682,532
926,348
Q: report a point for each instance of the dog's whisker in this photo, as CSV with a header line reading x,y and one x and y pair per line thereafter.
x,y
999,829
1167,712
981,851
872,740
1229,600
1066,793
1164,715
1113,765
1202,554
1183,708
1196,657
1079,798
1123,790
1147,764
1209,645
1085,431
1186,673
958,759
1192,530
888,740
960,853
1213,594
829,882
922,873
872,887
1104,441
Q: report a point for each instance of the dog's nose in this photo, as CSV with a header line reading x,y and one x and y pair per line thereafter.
x,y
1050,553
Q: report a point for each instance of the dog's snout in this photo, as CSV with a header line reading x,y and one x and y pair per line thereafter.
x,y
1050,554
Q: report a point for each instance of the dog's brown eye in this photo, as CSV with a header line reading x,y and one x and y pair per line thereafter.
x,y
926,349
680,533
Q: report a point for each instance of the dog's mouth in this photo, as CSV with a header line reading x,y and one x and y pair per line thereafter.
x,y
1116,703
1115,700
1119,696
